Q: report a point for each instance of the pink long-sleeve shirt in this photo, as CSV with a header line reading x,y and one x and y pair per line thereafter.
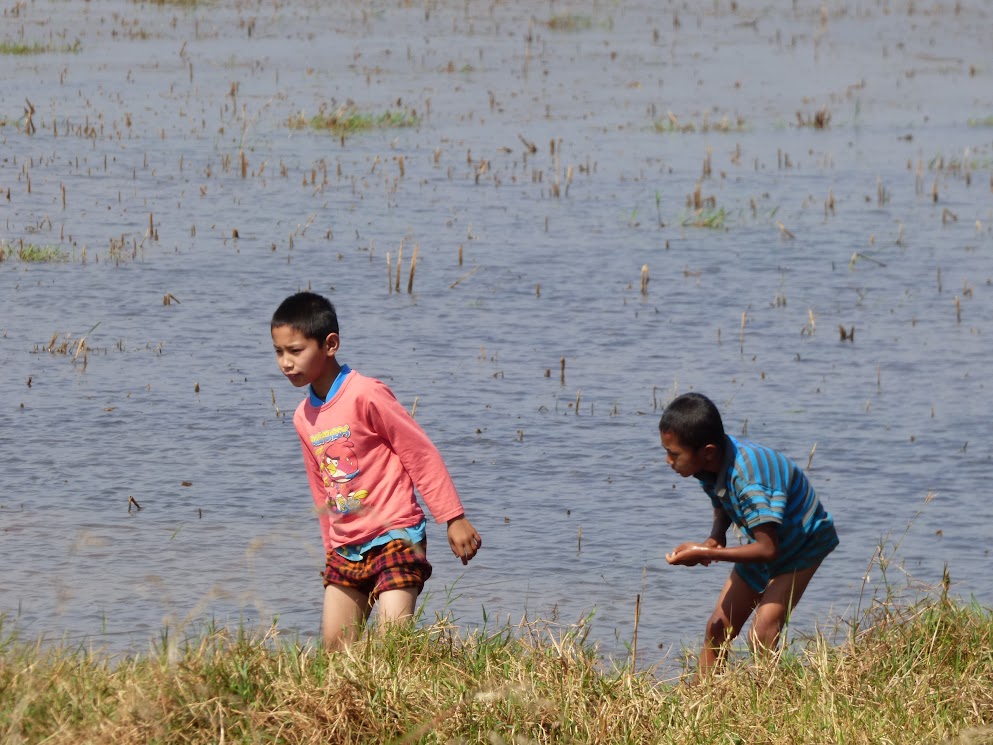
x,y
364,455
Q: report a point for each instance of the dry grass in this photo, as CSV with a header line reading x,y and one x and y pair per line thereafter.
x,y
670,123
820,119
921,673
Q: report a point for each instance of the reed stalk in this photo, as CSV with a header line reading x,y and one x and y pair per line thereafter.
x,y
413,266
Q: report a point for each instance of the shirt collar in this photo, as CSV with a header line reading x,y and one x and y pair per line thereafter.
x,y
317,401
730,451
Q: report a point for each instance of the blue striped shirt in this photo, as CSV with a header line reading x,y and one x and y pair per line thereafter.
x,y
757,485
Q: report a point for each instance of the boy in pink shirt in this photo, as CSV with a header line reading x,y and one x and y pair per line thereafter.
x,y
364,455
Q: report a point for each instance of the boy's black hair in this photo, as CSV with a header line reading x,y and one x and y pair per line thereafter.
x,y
695,420
311,314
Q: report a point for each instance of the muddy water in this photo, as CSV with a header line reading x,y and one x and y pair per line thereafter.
x,y
537,159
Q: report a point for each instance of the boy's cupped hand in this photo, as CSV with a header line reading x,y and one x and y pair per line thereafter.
x,y
688,554
463,539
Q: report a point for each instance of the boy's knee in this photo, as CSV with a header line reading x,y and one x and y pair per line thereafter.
x,y
335,640
764,633
719,629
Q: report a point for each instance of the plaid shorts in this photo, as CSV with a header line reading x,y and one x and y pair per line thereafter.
x,y
393,566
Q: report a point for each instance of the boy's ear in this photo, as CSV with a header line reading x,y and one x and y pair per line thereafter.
x,y
331,343
712,456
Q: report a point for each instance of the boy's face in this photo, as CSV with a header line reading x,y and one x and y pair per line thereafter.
x,y
686,461
306,361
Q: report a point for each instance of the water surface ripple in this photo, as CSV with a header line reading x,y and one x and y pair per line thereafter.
x,y
878,223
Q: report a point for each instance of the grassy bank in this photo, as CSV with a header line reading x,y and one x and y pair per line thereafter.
x,y
922,673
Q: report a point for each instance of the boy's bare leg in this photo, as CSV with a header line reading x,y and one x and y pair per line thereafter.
x,y
777,602
345,609
396,606
734,605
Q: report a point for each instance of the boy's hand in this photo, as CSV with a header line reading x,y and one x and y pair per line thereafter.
x,y
689,554
463,538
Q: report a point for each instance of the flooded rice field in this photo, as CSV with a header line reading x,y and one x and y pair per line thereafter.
x,y
786,207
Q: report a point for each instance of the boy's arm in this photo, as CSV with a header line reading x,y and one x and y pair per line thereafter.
x,y
418,454
718,533
765,548
426,468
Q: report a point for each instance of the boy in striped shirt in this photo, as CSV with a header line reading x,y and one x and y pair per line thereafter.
x,y
770,500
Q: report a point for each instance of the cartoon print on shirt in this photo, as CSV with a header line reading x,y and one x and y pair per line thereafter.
x,y
338,466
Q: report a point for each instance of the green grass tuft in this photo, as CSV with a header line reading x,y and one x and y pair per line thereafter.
x,y
347,119
569,23
22,48
179,3
706,217
33,253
